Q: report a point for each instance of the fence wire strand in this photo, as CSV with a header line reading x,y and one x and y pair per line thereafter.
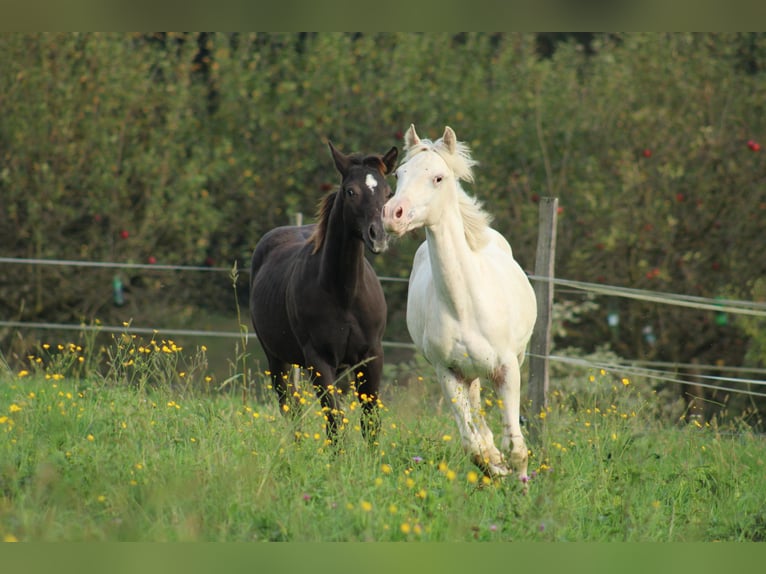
x,y
634,369
705,303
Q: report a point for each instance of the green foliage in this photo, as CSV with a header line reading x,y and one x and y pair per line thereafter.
x,y
196,145
755,328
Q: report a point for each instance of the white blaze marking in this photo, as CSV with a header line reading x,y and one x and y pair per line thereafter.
x,y
371,182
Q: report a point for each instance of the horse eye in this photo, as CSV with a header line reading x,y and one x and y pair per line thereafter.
x,y
350,191
438,179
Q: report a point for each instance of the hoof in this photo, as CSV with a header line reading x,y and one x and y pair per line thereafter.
x,y
491,469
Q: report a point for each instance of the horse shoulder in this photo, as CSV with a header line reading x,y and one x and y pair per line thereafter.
x,y
370,306
418,294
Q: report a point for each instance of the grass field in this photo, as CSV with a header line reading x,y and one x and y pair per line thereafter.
x,y
151,450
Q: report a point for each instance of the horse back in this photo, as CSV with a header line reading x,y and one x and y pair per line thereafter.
x,y
279,241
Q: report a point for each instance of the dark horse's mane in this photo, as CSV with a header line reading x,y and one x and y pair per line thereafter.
x,y
325,204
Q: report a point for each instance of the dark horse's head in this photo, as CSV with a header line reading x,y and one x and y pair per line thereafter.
x,y
363,192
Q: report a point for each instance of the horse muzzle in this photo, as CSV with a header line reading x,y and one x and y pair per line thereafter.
x,y
394,218
376,239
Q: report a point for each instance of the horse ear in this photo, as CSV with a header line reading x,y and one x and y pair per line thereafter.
x,y
342,161
450,139
411,138
389,160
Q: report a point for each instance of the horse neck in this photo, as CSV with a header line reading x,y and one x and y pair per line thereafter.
x,y
341,258
453,262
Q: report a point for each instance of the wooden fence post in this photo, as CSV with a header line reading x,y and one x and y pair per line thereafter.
x,y
540,344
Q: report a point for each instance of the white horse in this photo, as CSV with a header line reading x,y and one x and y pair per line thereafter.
x,y
470,306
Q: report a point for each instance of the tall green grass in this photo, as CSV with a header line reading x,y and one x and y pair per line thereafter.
x,y
153,451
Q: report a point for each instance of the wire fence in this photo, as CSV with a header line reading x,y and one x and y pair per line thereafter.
x,y
702,303
658,371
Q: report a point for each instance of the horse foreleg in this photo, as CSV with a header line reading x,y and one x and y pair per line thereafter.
x,y
495,463
287,394
367,384
458,392
507,381
324,381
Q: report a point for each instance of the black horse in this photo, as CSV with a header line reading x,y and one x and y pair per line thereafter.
x,y
315,300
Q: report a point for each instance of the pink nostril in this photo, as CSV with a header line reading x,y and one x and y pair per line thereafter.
x,y
399,212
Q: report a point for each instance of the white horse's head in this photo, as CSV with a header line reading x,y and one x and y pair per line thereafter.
x,y
428,182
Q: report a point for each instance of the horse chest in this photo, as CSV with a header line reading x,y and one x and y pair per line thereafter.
x,y
457,344
447,337
342,329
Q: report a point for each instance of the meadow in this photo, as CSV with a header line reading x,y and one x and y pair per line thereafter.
x,y
136,442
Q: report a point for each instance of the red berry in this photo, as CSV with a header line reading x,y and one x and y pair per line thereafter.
x,y
754,145
653,273
680,197
535,198
124,234
647,152
152,260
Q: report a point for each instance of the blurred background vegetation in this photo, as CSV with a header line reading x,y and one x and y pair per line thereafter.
x,y
181,148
